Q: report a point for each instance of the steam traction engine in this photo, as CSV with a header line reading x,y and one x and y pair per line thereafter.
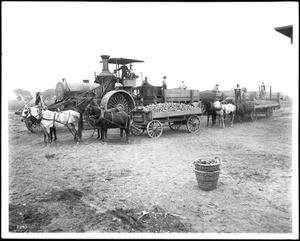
x,y
69,95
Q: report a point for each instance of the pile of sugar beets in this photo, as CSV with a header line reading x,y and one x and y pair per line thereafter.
x,y
169,107
207,161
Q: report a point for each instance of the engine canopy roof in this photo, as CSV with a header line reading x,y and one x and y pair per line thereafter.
x,y
123,61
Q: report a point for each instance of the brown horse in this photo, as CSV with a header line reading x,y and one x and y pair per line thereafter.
x,y
105,119
209,111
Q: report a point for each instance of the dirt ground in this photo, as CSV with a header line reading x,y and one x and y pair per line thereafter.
x,y
149,186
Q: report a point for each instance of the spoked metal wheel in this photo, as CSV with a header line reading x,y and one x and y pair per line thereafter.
x,y
193,124
118,98
136,130
253,116
33,127
269,112
154,129
174,125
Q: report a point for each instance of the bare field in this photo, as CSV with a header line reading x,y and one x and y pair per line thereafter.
x,y
149,185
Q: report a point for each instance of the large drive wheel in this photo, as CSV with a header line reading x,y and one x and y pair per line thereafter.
x,y
193,123
154,129
174,125
33,127
118,98
253,116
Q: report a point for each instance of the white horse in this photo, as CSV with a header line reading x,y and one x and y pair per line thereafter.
x,y
222,110
51,119
33,115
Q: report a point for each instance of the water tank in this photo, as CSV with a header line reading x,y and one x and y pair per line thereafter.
x,y
67,90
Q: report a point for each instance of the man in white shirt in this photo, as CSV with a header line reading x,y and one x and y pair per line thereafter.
x,y
182,86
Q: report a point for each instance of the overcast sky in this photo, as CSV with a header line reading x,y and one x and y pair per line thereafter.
x,y
201,43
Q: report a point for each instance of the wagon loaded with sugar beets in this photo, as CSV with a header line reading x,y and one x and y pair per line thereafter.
x,y
154,117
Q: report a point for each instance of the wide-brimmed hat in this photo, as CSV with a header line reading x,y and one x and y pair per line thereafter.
x,y
165,77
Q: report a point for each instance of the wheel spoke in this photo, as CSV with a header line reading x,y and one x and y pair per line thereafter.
x,y
154,129
193,123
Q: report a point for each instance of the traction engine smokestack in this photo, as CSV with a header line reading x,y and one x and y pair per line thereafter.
x,y
105,71
105,75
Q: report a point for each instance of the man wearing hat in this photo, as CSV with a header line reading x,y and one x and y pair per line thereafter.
x,y
182,86
262,90
131,73
164,83
237,92
216,88
125,71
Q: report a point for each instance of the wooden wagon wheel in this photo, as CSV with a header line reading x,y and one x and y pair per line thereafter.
x,y
253,116
33,127
136,130
174,125
269,112
154,129
193,123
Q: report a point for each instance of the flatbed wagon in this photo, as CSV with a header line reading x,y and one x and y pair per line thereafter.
x,y
154,122
254,109
257,104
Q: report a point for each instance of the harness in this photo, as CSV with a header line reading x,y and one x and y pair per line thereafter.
x,y
101,117
38,120
55,120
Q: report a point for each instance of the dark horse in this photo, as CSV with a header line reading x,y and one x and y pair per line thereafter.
x,y
105,119
209,111
240,111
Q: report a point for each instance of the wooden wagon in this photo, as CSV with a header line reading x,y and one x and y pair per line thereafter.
x,y
254,109
154,122
255,104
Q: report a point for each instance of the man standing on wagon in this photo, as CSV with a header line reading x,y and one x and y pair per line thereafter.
x,y
238,94
164,83
262,90
216,88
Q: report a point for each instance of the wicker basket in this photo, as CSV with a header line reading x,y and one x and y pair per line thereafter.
x,y
207,180
208,167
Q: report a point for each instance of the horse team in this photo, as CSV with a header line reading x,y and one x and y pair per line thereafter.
x,y
221,109
104,119
73,119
